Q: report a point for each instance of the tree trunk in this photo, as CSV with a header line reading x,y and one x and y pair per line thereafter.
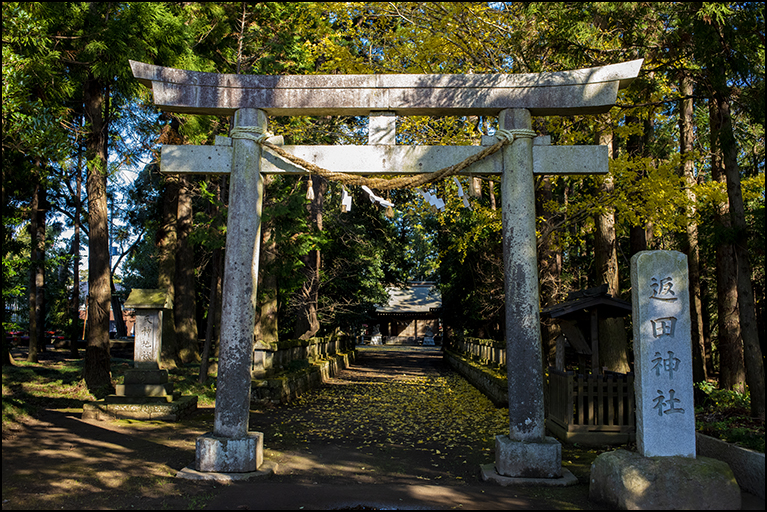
x,y
167,240
117,309
613,344
732,373
266,316
213,305
34,251
184,304
641,234
746,307
705,298
686,146
550,265
96,371
7,357
74,304
307,324
215,290
40,302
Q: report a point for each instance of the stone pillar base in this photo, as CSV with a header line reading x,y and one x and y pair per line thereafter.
x,y
266,471
528,460
228,455
488,473
627,480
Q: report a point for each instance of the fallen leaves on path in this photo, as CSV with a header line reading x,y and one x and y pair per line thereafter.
x,y
437,411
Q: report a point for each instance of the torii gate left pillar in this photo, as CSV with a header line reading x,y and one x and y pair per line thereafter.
x,y
526,451
231,448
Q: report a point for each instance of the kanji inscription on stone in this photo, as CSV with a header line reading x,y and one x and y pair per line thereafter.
x,y
147,342
662,354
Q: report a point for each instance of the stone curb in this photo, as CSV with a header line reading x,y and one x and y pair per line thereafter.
x,y
486,382
747,465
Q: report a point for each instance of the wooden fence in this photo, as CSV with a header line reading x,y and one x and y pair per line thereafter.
x,y
591,409
487,352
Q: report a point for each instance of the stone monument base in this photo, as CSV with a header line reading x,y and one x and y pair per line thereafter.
x,y
488,473
519,459
229,455
145,394
140,408
627,480
266,470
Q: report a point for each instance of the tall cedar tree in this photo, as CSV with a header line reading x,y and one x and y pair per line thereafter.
x,y
94,42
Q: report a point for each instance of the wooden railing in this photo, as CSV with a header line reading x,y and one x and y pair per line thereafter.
x,y
585,407
487,352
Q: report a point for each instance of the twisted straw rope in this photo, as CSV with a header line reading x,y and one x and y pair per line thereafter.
x,y
416,180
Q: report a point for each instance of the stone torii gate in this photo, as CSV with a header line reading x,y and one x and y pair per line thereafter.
x,y
525,451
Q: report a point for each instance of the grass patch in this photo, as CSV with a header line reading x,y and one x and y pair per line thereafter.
x,y
186,381
726,415
57,383
28,387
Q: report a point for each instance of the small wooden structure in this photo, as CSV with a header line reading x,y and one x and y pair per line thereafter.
x,y
584,309
591,409
596,408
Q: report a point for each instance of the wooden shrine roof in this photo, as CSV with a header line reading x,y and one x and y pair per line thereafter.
x,y
416,298
579,302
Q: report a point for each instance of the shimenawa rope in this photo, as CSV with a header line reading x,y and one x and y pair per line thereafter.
x,y
416,180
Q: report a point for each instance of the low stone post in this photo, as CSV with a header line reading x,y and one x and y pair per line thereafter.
x,y
147,379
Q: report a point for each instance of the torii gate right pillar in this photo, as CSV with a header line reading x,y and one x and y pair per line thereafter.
x,y
526,452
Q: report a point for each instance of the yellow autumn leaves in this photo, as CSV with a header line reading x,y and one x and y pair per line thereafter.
x,y
438,411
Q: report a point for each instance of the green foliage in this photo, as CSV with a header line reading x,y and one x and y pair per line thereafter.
x,y
723,398
357,261
724,414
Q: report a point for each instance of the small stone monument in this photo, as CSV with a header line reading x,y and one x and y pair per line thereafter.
x,y
665,472
428,337
146,392
665,409
146,378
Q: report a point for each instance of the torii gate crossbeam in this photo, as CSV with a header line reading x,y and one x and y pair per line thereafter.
x,y
526,451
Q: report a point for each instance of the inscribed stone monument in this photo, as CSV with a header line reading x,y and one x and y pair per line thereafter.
x,y
665,410
145,393
665,473
149,305
147,379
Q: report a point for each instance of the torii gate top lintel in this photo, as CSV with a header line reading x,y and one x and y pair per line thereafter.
x,y
581,91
